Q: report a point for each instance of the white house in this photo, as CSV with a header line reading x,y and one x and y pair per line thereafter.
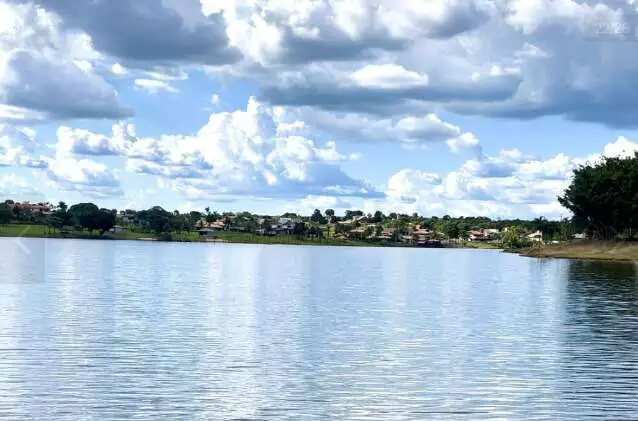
x,y
536,237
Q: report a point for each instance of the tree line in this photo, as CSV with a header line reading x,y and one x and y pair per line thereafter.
x,y
603,198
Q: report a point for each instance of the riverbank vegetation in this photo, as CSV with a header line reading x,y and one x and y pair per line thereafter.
x,y
602,196
87,220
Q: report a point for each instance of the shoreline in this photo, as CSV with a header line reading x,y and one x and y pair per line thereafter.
x,y
604,251
224,237
610,251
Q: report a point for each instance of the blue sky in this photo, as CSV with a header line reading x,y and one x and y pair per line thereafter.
x,y
460,107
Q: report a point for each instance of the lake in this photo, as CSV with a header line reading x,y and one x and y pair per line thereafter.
x,y
117,330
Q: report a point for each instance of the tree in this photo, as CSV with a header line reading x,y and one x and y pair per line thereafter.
x,y
6,215
378,230
513,238
156,219
105,220
299,229
86,215
605,196
211,217
59,217
541,224
353,213
330,214
378,217
317,217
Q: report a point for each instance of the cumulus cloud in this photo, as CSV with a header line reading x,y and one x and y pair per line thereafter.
x,y
275,32
236,153
518,59
83,142
153,86
510,183
155,31
18,147
88,177
47,72
408,130
18,188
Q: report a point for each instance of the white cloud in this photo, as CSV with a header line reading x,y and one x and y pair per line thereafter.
x,y
88,177
622,147
236,153
153,86
408,130
309,203
388,76
46,71
18,188
508,184
118,70
84,142
18,147
463,141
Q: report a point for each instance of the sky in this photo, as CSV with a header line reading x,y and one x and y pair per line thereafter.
x,y
458,107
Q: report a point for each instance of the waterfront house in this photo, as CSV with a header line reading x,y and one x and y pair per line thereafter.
x,y
207,233
477,235
41,208
536,237
116,229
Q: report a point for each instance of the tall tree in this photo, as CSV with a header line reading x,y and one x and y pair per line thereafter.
x,y
605,196
6,215
318,217
86,214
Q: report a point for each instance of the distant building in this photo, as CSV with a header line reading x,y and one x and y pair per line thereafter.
x,y
477,235
116,229
42,208
536,237
207,233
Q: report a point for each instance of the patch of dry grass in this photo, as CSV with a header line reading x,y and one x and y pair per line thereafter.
x,y
594,250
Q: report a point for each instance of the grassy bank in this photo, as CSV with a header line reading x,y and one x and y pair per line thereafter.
x,y
42,231
593,250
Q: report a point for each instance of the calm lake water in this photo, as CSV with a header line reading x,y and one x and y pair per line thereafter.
x,y
99,330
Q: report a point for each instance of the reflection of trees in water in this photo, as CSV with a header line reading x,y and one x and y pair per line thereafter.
x,y
599,340
602,297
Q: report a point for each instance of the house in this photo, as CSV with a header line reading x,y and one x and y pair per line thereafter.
x,y
207,233
477,235
42,208
580,236
127,217
116,229
536,237
407,239
215,225
358,233
285,225
387,234
492,233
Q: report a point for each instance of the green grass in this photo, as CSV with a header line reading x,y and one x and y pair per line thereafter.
x,y
241,237
42,231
